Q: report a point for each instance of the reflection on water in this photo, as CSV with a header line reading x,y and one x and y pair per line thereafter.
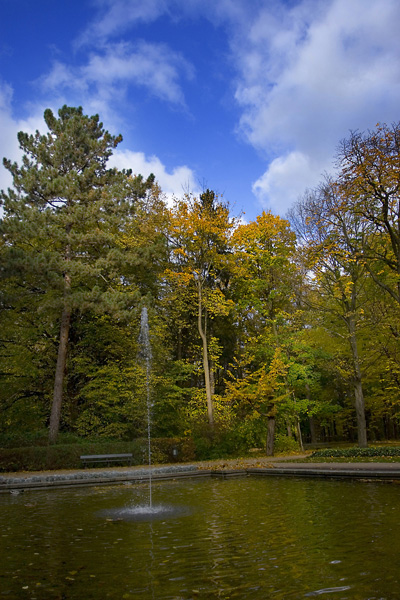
x,y
343,588
232,538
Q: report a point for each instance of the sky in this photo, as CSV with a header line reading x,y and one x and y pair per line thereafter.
x,y
250,98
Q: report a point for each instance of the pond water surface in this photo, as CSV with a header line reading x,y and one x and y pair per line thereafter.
x,y
249,537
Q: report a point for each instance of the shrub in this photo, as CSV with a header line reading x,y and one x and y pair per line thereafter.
x,y
24,438
385,451
222,441
284,443
41,438
66,456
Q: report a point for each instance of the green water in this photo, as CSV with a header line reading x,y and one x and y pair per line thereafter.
x,y
236,538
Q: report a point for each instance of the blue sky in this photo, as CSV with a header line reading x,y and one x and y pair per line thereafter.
x,y
247,97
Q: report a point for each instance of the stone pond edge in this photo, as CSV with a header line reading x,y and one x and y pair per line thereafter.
x,y
18,484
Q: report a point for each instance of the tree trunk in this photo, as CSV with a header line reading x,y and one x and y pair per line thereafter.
x,y
358,391
312,430
360,413
210,407
212,377
299,435
311,419
179,343
59,377
62,352
270,435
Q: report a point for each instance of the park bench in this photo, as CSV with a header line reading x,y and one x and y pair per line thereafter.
x,y
107,459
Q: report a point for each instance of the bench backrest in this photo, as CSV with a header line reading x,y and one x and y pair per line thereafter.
x,y
104,456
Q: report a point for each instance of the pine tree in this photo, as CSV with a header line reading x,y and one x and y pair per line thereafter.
x,y
61,222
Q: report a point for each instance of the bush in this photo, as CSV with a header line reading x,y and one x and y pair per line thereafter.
x,y
284,443
66,456
41,438
225,446
384,451
220,442
24,438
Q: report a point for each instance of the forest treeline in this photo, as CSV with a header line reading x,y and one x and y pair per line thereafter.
x,y
260,331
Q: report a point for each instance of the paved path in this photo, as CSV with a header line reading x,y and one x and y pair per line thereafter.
x,y
261,466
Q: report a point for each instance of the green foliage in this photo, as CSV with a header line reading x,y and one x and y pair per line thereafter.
x,y
285,444
171,394
251,432
357,452
220,442
66,456
19,439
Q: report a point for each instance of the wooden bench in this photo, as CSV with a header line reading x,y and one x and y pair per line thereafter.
x,y
107,459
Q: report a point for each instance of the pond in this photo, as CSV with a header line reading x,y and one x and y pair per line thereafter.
x,y
246,537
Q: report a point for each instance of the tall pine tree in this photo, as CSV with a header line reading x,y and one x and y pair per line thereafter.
x,y
61,223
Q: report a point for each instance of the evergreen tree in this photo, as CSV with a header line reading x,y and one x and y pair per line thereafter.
x,y
61,224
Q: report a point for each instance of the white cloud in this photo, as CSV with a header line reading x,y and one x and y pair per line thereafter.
x,y
8,138
309,74
62,76
175,183
9,127
105,74
115,16
285,177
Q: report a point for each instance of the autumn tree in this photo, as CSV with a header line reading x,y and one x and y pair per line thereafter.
x,y
61,219
258,395
369,187
338,277
264,285
200,229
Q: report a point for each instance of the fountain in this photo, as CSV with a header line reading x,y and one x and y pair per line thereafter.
x,y
145,355
144,512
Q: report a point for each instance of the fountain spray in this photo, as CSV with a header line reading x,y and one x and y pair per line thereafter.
x,y
145,354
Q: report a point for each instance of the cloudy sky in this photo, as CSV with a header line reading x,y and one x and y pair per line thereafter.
x,y
247,97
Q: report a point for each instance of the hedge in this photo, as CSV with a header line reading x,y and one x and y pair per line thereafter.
x,y
385,451
66,456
